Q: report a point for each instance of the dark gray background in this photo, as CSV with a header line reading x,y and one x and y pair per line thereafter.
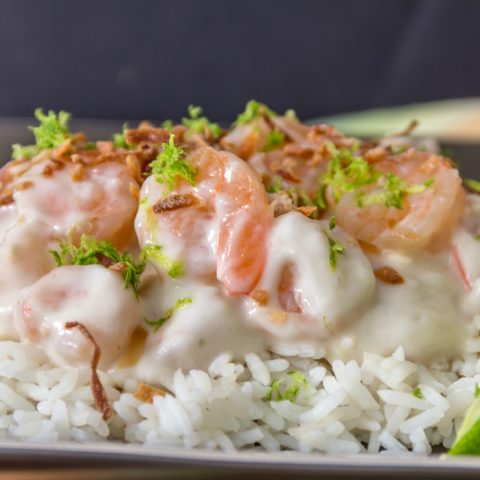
x,y
151,58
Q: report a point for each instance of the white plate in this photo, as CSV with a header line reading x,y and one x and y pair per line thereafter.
x,y
117,455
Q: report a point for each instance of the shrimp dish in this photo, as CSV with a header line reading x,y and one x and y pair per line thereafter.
x,y
274,285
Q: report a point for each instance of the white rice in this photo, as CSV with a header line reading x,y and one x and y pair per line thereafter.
x,y
348,408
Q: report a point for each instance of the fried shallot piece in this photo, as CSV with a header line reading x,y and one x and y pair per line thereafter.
x,y
98,391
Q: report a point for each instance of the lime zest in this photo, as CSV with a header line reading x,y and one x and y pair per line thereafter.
x,y
253,110
179,304
119,140
174,268
200,124
170,165
51,132
296,381
274,140
91,251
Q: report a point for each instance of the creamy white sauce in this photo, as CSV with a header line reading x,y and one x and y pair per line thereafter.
x,y
326,296
212,324
348,311
424,314
92,295
24,258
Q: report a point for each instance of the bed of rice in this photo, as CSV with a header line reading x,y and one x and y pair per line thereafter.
x,y
346,408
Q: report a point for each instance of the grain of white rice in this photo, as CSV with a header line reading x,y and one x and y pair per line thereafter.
x,y
397,416
247,437
277,365
402,399
317,374
258,369
388,442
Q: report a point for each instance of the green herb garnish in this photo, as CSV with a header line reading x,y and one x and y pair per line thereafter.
x,y
274,140
302,198
119,140
198,124
336,248
320,198
167,124
417,393
296,380
53,129
347,172
91,251
394,191
253,110
332,223
179,304
276,186
174,268
50,133
170,165
19,151
468,437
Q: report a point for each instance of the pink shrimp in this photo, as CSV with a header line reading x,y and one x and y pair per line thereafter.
x,y
75,199
281,147
220,225
49,199
427,217
245,140
89,294
301,295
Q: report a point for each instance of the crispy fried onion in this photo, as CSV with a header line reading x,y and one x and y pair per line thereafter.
x,y
145,393
98,391
148,135
406,131
260,296
173,202
107,262
388,275
307,210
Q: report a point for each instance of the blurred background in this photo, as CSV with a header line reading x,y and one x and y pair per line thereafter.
x,y
127,59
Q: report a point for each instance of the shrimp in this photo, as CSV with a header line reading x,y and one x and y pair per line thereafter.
x,y
218,227
49,199
99,202
91,295
280,147
248,139
24,257
300,295
426,217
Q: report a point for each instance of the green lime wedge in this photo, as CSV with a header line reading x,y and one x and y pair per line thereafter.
x,y
468,437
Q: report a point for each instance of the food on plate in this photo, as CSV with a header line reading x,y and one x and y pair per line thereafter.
x,y
274,285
